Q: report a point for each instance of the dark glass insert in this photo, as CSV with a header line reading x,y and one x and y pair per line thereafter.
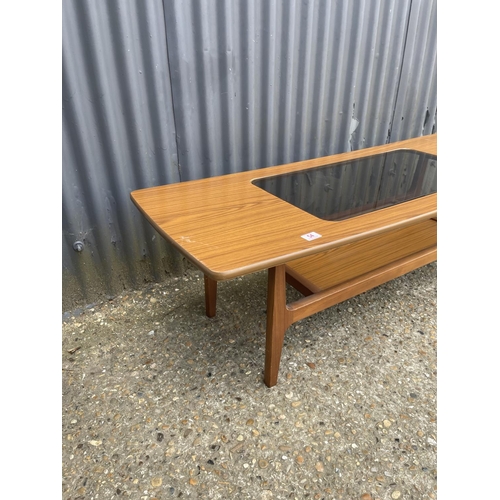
x,y
354,187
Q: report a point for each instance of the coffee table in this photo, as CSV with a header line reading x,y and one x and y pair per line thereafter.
x,y
332,227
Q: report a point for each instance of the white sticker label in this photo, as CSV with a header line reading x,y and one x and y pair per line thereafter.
x,y
311,236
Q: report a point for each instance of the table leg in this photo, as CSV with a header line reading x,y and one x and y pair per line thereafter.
x,y
276,323
210,296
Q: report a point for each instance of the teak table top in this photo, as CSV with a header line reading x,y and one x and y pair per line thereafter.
x,y
229,227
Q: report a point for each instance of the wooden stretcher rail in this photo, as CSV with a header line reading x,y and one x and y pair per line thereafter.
x,y
316,302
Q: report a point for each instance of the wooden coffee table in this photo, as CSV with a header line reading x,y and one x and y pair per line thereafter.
x,y
332,227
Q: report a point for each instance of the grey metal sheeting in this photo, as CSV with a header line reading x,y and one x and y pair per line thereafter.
x,y
160,92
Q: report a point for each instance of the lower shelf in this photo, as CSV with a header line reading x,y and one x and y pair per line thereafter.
x,y
332,268
342,273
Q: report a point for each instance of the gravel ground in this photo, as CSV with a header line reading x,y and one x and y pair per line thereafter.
x,y
161,402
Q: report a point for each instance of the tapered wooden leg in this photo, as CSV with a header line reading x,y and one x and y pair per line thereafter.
x,y
276,323
210,296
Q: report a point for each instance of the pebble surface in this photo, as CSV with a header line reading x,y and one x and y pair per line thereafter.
x,y
161,402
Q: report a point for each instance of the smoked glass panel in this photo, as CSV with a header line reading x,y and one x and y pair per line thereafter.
x,y
346,189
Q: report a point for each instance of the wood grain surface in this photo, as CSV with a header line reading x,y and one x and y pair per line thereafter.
x,y
228,227
341,264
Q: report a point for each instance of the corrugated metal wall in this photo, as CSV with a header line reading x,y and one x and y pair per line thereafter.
x,y
158,92
119,134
